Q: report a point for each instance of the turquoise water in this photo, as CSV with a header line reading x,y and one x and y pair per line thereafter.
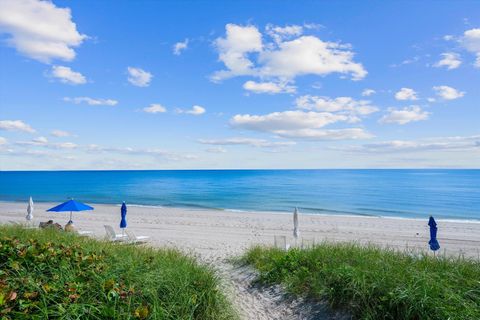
x,y
452,194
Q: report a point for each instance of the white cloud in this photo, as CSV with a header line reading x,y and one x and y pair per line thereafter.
x,y
216,150
234,49
139,77
268,87
60,133
406,94
179,47
282,59
309,102
92,101
285,121
450,60
281,33
67,75
368,92
430,144
3,141
39,29
471,42
353,109
405,115
448,93
195,110
15,125
261,143
309,55
321,134
155,108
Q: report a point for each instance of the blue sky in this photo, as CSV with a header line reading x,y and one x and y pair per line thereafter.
x,y
182,85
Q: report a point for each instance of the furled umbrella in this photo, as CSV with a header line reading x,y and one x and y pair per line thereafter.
x,y
434,245
29,216
71,205
123,221
296,232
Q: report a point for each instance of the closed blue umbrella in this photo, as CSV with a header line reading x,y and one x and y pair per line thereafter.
x,y
434,245
70,205
123,222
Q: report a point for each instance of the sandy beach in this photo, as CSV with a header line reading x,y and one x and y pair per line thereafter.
x,y
214,236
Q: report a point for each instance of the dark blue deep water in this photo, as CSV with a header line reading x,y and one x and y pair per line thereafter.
x,y
452,194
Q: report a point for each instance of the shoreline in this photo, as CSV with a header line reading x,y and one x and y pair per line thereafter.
x,y
203,208
217,234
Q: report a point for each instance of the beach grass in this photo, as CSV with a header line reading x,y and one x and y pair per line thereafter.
x,y
374,283
48,274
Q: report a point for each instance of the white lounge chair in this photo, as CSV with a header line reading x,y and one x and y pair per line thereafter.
x,y
112,235
132,238
281,242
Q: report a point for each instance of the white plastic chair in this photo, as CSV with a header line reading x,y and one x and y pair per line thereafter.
x,y
112,235
132,238
281,242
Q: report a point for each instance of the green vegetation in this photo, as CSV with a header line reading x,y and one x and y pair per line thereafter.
x,y
374,283
47,274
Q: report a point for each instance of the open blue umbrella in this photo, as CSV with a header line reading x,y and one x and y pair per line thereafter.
x,y
123,222
434,245
71,205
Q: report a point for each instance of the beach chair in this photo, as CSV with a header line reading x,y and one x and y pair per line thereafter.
x,y
281,242
112,235
132,238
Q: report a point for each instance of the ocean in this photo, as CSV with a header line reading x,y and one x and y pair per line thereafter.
x,y
445,194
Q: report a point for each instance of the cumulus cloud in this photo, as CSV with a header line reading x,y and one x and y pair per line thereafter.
x,y
92,101
471,42
195,110
15,125
155,108
405,115
179,47
430,144
67,75
448,93
268,87
353,109
139,77
60,133
291,54
406,94
368,92
233,50
246,141
39,29
450,60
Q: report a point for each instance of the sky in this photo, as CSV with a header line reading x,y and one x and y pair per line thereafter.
x,y
93,85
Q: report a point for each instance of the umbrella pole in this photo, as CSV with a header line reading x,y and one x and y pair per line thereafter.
x,y
71,216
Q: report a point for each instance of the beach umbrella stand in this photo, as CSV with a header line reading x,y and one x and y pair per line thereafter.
x,y
123,221
433,243
296,231
70,206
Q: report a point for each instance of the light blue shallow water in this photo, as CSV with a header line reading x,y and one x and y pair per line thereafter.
x,y
452,194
